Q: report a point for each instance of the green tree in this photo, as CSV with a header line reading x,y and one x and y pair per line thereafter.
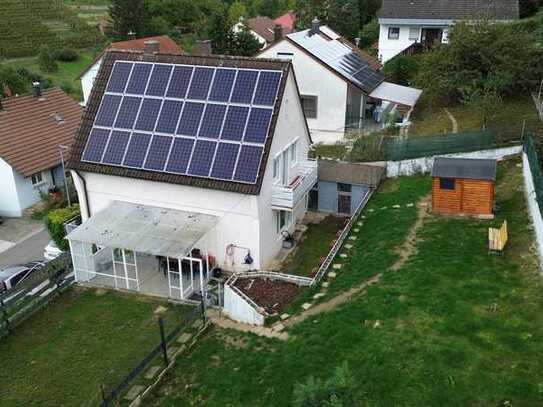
x,y
401,69
486,102
344,17
10,78
46,61
368,10
244,44
220,32
129,16
236,11
369,34
270,8
183,14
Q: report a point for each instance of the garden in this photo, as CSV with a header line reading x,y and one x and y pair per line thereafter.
x,y
430,318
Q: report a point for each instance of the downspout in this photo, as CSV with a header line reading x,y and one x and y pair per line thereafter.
x,y
86,196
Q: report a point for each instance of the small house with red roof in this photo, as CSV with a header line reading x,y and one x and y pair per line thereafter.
x,y
161,44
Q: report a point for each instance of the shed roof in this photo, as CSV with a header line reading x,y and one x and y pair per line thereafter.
x,y
31,129
350,173
470,168
451,9
391,92
145,229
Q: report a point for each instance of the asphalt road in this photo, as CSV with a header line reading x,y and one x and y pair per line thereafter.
x,y
28,250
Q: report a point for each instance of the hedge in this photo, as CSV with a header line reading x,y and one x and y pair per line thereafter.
x,y
55,221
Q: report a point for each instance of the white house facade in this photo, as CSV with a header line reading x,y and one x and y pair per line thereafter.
x,y
241,216
427,22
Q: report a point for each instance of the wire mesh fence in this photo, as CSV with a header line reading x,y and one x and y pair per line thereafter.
x,y
535,168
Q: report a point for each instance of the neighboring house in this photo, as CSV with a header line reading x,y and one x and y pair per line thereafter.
x,y
287,21
264,29
162,44
32,128
404,23
342,87
200,161
343,186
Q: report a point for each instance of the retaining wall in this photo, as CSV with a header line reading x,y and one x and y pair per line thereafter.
x,y
533,207
239,309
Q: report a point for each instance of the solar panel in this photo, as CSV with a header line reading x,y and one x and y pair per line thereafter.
x,y
137,149
108,110
148,114
190,119
212,121
116,147
257,125
159,80
179,83
185,120
234,124
119,77
222,85
244,87
202,157
225,161
158,153
138,79
199,86
248,163
128,112
266,90
169,116
180,155
96,145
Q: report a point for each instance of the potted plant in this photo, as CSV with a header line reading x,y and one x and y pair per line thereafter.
x,y
288,240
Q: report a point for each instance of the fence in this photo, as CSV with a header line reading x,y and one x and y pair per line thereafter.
x,y
161,349
17,304
535,168
384,148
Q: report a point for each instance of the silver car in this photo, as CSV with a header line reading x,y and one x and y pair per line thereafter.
x,y
12,275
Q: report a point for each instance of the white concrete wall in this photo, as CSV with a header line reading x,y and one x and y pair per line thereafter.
x,y
290,126
314,79
87,80
424,164
238,309
533,207
9,201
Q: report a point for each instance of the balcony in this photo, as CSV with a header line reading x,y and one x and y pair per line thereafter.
x,y
287,197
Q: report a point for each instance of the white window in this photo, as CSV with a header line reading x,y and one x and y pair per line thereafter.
x,y
37,179
309,105
293,152
445,37
285,55
276,162
283,220
393,33
414,33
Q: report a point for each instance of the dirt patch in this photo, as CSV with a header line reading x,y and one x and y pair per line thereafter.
x,y
410,245
272,295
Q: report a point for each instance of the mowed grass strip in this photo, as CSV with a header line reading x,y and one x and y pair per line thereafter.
x,y
454,326
84,338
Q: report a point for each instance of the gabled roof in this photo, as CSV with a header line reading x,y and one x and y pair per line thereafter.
x,y
340,56
287,21
31,129
263,26
165,46
450,9
470,168
178,62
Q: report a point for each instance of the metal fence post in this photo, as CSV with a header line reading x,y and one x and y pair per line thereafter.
x,y
203,310
103,391
163,341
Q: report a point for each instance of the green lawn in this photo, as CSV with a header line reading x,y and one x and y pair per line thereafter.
x,y
85,338
457,327
67,75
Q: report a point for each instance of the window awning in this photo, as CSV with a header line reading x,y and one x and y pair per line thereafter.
x,y
402,95
145,229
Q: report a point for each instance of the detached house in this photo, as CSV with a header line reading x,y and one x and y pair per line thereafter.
x,y
186,163
162,44
34,131
341,87
404,23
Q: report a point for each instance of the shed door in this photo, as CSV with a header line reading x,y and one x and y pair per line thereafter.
x,y
344,204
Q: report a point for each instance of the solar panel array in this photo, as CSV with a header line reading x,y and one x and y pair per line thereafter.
x,y
201,121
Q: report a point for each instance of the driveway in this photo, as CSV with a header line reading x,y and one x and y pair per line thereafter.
x,y
30,248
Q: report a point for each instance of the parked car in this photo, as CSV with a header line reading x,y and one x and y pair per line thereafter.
x,y
12,275
51,251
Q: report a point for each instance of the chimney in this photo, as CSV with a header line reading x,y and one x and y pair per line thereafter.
x,y
36,87
357,41
315,26
277,32
202,48
151,47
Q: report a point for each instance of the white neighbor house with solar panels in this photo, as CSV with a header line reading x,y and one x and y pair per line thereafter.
x,y
186,163
342,89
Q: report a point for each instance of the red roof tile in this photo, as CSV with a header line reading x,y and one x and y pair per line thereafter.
x,y
287,21
31,129
263,26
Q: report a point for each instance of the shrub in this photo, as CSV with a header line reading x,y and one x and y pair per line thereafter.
x,y
401,69
66,55
55,224
46,61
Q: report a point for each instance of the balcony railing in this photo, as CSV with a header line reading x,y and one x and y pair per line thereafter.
x,y
287,197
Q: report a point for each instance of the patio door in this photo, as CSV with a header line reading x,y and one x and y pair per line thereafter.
x,y
125,269
175,280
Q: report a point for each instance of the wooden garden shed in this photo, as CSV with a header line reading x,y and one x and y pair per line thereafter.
x,y
463,186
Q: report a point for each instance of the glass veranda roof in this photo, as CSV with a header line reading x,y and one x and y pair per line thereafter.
x,y
145,229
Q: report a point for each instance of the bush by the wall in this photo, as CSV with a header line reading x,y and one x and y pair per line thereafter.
x,y
55,224
66,55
